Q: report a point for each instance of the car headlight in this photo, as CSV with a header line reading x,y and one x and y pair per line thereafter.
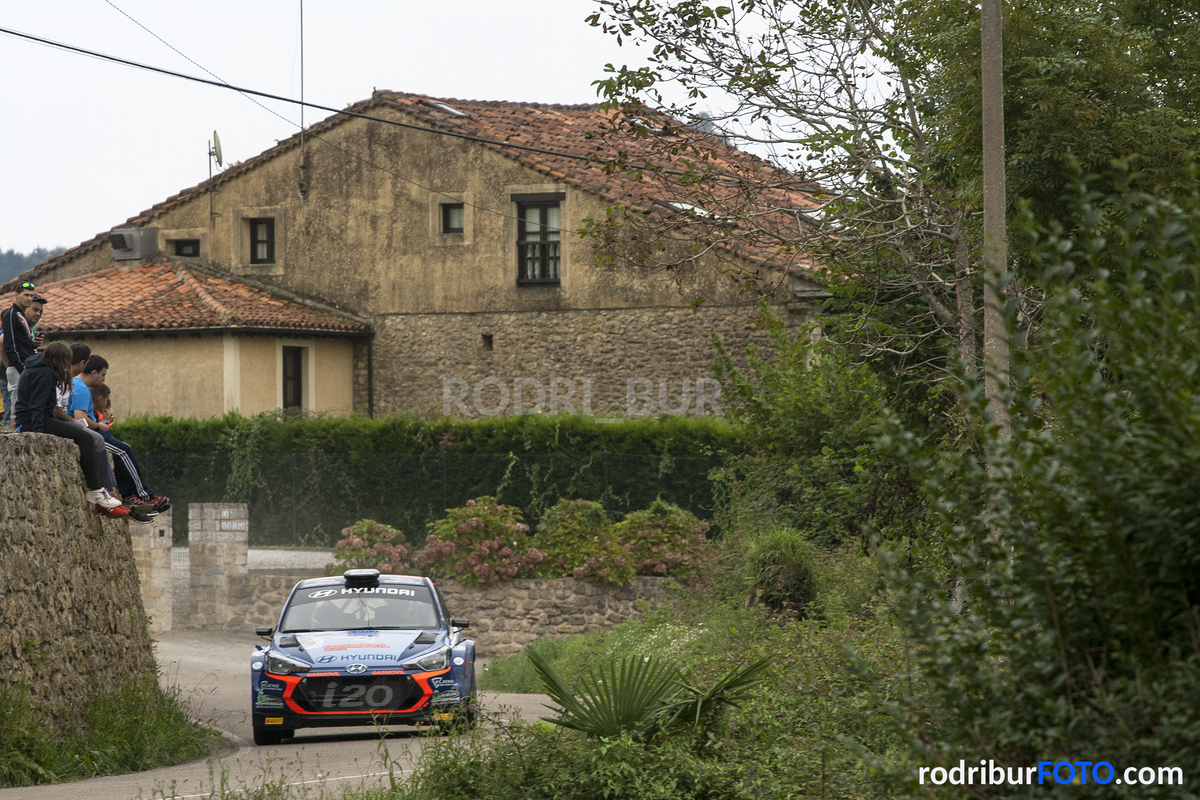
x,y
438,659
278,664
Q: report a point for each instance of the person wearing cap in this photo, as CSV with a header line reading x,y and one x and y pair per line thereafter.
x,y
18,338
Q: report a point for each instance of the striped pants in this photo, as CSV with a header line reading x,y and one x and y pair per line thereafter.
x,y
130,481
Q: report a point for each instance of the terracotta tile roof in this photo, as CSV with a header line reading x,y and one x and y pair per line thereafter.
x,y
177,296
572,143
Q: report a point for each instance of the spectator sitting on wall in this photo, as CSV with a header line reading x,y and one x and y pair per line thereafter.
x,y
138,496
33,313
80,353
42,377
18,338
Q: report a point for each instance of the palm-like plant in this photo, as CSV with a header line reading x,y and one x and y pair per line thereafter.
x,y
620,696
641,695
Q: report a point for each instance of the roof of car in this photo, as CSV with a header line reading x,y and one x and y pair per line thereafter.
x,y
338,580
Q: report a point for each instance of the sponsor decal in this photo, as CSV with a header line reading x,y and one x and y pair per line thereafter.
x,y
387,672
323,593
326,659
438,683
256,665
443,717
321,674
373,590
356,669
268,701
332,647
445,698
371,657
270,686
309,642
458,662
273,720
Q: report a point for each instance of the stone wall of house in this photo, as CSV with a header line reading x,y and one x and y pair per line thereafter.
x,y
604,362
72,623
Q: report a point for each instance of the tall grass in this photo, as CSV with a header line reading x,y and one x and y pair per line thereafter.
x,y
140,727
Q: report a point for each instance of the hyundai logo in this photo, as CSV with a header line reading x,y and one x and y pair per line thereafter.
x,y
356,669
323,593
327,659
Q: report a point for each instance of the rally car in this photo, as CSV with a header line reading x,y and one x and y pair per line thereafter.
x,y
361,649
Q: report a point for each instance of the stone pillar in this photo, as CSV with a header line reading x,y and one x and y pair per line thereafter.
x,y
152,555
217,540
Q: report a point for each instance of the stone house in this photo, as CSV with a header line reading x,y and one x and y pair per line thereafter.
x,y
449,228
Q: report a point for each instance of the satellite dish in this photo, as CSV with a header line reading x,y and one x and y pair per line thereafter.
x,y
217,149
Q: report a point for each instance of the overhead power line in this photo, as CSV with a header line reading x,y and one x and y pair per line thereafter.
x,y
223,85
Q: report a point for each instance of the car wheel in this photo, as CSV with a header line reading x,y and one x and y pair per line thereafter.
x,y
265,737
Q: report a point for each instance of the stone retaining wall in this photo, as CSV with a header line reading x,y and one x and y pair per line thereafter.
x,y
72,623
222,594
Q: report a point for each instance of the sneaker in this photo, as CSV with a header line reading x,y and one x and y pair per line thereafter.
x,y
159,502
113,513
139,505
137,516
102,498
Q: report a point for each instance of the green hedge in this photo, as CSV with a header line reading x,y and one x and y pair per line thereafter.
x,y
306,479
404,433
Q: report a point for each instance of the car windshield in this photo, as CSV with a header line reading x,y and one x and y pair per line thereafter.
x,y
357,608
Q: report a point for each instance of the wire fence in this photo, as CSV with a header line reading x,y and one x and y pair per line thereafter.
x,y
306,499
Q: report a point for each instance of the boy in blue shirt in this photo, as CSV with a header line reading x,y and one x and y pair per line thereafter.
x,y
143,502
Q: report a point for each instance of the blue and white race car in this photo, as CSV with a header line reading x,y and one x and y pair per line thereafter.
x,y
361,649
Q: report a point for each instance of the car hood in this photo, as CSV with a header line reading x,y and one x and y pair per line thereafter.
x,y
337,649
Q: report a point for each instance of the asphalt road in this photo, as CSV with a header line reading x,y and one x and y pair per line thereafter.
x,y
212,670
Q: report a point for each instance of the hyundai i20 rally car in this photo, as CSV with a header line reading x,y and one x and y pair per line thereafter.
x,y
361,649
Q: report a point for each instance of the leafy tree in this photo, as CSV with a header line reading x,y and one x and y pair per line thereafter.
x,y
1078,637
873,111
809,415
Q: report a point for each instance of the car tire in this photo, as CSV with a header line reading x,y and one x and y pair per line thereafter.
x,y
266,737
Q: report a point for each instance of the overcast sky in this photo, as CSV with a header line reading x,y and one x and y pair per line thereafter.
x,y
87,144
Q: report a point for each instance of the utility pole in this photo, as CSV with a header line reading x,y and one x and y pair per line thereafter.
x,y
996,356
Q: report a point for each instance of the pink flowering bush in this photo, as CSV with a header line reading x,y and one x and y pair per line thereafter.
x,y
579,540
479,544
664,540
368,544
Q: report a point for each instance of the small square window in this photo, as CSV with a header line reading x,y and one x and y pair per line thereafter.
x,y
262,241
188,248
452,217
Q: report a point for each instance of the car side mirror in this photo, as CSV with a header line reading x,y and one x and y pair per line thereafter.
x,y
261,631
460,623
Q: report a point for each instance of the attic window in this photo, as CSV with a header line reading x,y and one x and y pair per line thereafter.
x,y
449,109
188,248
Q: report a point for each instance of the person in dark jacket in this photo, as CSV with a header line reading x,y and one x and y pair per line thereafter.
x,y
37,397
18,337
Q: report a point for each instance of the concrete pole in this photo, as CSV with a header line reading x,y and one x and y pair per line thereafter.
x,y
995,253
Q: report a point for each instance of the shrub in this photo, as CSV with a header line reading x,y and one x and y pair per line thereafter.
x,y
664,540
479,544
777,568
368,544
579,540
